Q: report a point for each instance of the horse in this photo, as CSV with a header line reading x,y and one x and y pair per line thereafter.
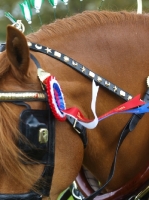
x,y
114,45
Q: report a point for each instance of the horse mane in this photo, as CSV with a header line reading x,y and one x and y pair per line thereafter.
x,y
84,21
12,159
4,64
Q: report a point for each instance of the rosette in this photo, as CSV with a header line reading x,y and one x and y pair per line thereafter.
x,y
55,98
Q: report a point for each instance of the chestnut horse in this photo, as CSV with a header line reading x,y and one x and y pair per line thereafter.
x,y
114,45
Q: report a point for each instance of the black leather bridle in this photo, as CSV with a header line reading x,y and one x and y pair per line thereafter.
x,y
49,155
32,122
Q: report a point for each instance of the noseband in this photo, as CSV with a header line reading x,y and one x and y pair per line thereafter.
x,y
36,125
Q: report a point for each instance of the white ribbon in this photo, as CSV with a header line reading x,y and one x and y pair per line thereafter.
x,y
139,10
92,124
89,124
27,14
37,5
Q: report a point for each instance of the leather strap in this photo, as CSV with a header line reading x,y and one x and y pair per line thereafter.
x,y
81,130
128,128
81,69
66,194
27,196
2,47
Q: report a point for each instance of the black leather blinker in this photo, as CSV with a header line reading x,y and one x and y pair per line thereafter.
x,y
34,126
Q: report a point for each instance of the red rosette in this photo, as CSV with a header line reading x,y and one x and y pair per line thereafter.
x,y
55,98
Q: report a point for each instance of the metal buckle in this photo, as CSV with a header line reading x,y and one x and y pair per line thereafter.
x,y
142,193
77,196
74,126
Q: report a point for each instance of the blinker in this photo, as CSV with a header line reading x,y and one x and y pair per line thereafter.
x,y
34,125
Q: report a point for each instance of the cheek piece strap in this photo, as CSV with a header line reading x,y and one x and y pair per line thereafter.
x,y
38,127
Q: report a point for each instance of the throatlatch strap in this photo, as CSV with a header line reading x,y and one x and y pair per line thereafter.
x,y
128,128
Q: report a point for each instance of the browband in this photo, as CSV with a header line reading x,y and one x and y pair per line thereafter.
x,y
81,69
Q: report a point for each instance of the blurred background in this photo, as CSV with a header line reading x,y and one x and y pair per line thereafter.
x,y
74,6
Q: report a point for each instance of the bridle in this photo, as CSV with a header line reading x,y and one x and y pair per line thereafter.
x,y
29,117
38,126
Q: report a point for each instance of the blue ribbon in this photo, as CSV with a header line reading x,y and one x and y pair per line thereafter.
x,y
139,110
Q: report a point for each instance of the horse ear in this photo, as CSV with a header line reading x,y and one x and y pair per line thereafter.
x,y
17,49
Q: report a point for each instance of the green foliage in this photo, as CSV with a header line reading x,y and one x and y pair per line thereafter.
x,y
74,6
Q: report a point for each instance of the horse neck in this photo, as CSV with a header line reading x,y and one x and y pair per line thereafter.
x,y
118,49
123,60
118,52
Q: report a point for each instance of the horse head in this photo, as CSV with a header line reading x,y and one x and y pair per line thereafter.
x,y
39,153
19,175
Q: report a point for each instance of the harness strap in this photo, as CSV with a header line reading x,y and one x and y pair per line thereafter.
x,y
81,69
2,47
128,128
49,167
66,194
81,130
28,196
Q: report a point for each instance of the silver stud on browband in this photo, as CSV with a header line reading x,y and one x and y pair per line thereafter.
x,y
38,47
29,44
83,69
129,97
57,54
107,84
66,59
115,88
99,79
48,50
74,63
91,74
122,93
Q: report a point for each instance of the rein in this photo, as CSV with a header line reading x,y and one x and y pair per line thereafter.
x,y
78,127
